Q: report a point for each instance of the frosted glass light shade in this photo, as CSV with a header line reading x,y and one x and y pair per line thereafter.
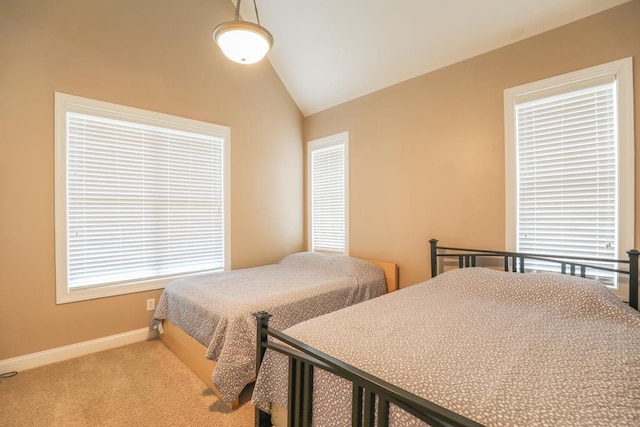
x,y
243,42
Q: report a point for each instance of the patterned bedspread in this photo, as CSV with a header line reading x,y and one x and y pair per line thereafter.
x,y
503,349
217,309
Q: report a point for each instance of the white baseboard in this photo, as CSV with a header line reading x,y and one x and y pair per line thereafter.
x,y
59,354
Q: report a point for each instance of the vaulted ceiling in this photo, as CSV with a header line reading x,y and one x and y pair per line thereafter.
x,y
328,52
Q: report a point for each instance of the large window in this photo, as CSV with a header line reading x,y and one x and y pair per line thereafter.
x,y
328,183
569,162
141,198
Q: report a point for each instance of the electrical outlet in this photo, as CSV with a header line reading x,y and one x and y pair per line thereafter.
x,y
151,304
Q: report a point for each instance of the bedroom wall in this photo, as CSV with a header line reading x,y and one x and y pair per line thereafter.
x,y
151,54
427,155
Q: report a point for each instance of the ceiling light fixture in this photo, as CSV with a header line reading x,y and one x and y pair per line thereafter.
x,y
242,41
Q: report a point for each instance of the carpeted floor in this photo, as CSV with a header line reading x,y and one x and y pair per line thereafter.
x,y
142,384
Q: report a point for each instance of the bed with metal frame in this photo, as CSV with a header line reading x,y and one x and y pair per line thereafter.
x,y
372,396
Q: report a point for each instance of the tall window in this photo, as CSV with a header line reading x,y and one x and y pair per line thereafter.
x,y
569,154
328,183
141,198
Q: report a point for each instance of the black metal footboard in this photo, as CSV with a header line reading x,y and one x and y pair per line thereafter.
x,y
516,262
371,396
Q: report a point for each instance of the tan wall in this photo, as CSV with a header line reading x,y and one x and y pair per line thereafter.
x,y
427,155
151,54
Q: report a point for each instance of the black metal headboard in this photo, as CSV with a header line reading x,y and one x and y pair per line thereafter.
x,y
515,261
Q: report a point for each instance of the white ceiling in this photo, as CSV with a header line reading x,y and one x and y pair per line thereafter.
x,y
328,52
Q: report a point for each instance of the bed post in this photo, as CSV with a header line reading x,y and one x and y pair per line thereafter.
x,y
633,278
262,317
434,257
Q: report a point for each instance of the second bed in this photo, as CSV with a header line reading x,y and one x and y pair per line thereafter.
x,y
207,320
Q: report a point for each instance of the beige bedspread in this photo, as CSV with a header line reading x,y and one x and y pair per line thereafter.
x,y
217,309
503,349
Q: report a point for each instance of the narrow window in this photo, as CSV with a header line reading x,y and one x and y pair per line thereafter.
x,y
328,184
569,162
141,198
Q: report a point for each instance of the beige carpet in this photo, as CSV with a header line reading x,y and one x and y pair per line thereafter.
x,y
142,384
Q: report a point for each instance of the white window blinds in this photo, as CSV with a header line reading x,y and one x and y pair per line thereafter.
x,y
569,166
143,201
328,195
566,172
140,198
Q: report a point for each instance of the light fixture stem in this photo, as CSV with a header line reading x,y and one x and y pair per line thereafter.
x,y
238,10
256,8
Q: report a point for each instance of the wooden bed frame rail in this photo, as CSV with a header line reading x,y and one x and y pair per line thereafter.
x,y
369,391
515,262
